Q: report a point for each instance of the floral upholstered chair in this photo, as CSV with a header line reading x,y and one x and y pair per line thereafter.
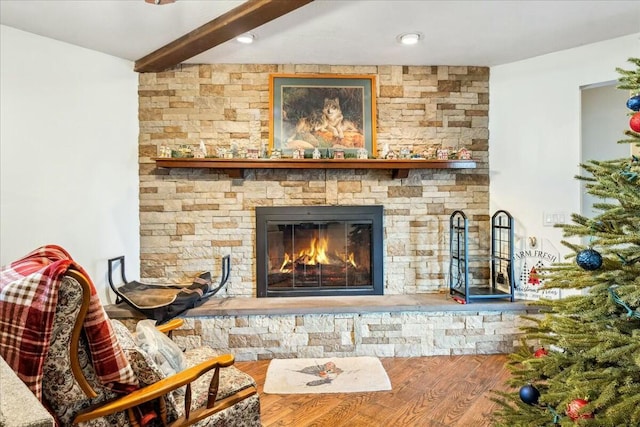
x,y
71,384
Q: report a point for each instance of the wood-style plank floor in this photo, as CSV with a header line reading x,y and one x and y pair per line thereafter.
x,y
426,392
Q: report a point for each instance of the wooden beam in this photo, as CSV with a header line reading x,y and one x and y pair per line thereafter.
x,y
243,18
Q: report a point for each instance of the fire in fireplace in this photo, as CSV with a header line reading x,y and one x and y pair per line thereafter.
x,y
319,250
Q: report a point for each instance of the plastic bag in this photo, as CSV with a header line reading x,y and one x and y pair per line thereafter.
x,y
167,355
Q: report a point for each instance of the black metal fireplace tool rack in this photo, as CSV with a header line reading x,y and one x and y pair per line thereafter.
x,y
501,285
164,302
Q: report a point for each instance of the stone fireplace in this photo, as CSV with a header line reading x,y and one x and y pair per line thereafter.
x,y
191,218
319,251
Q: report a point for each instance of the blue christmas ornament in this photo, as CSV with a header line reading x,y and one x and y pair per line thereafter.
x,y
529,394
633,103
589,259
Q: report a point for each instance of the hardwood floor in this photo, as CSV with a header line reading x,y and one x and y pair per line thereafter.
x,y
427,392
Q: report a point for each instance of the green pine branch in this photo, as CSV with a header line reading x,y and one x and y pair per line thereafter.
x,y
593,338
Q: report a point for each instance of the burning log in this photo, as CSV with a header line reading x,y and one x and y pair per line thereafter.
x,y
318,266
329,259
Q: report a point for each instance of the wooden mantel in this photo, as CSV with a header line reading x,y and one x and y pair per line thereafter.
x,y
235,168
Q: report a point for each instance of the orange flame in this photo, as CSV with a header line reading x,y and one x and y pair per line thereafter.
x,y
315,254
351,261
287,259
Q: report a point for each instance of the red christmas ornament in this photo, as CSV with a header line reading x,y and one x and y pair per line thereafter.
x,y
574,407
634,123
541,352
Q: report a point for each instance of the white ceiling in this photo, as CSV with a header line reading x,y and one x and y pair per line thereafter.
x,y
354,32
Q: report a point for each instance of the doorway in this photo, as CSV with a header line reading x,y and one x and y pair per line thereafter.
x,y
604,120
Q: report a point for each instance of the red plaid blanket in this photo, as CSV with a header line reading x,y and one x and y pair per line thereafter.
x,y
28,298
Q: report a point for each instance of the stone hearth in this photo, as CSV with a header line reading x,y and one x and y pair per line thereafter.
x,y
384,326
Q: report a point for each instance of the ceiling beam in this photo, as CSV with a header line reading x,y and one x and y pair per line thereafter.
x,y
243,18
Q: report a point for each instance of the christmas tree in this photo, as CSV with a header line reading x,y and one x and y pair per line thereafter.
x,y
579,362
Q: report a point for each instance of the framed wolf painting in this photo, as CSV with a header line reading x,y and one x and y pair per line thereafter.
x,y
322,111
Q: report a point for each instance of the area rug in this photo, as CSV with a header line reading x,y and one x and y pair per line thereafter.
x,y
326,375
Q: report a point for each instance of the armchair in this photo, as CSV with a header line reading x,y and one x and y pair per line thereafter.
x,y
209,392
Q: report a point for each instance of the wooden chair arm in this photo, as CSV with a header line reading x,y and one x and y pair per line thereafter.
x,y
172,324
78,328
155,390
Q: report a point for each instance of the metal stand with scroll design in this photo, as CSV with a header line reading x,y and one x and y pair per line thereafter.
x,y
501,282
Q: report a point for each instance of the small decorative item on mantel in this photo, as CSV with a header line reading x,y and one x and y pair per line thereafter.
x,y
464,154
298,153
253,153
363,154
405,153
391,155
430,152
184,151
233,153
338,153
165,151
201,151
316,154
382,154
276,154
443,154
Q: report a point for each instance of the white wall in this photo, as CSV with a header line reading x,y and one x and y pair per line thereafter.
x,y
604,113
68,153
534,130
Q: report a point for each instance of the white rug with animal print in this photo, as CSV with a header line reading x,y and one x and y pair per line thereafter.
x,y
326,375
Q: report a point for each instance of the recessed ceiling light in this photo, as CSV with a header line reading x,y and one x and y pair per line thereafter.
x,y
409,38
246,38
160,2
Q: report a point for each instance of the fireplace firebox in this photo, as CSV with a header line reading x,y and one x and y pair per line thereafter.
x,y
319,251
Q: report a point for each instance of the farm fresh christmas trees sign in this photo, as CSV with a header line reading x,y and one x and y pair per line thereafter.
x,y
529,271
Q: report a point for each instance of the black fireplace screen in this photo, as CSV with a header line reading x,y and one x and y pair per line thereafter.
x,y
319,250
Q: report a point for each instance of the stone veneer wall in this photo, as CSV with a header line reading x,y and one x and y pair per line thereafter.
x,y
191,217
397,334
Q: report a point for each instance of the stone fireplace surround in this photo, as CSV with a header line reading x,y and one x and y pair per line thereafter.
x,y
190,218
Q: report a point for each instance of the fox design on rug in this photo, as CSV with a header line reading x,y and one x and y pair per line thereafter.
x,y
327,373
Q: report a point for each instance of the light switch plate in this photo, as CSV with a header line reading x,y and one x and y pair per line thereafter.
x,y
549,219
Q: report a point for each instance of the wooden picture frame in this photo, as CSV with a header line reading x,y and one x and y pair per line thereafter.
x,y
323,111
